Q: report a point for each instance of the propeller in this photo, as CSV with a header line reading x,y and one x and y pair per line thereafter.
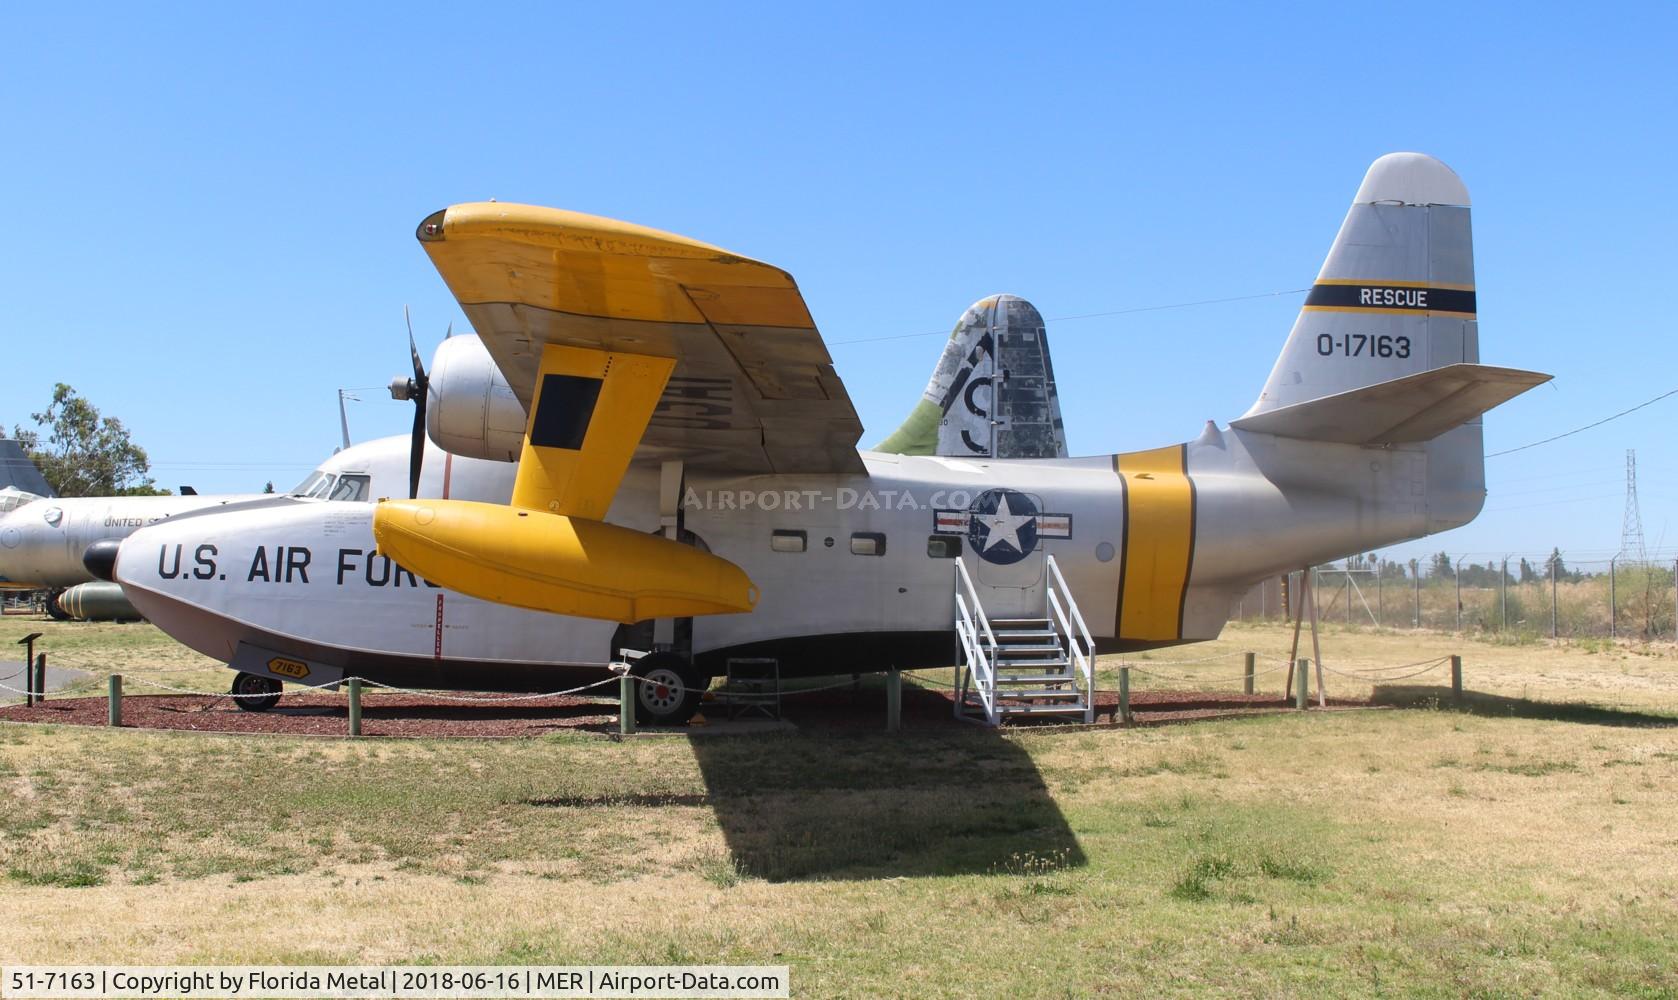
x,y
417,391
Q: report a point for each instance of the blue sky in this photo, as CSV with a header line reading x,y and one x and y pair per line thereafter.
x,y
212,208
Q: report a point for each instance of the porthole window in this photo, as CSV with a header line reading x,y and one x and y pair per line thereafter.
x,y
943,546
786,540
868,543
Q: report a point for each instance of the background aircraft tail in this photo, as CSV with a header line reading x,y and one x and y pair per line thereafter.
x,y
992,394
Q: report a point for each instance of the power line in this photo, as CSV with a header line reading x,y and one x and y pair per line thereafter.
x,y
1098,315
1576,430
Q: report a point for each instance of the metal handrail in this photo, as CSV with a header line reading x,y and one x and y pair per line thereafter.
x,y
1083,654
1077,616
966,582
980,655
978,661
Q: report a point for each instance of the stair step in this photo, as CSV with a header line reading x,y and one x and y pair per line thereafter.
x,y
1024,633
1013,650
1066,709
1013,694
1012,623
1031,663
1036,678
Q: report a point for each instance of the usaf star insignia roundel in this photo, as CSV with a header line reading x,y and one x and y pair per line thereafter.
x,y
1003,526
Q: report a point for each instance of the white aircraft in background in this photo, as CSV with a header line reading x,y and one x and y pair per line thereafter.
x,y
689,483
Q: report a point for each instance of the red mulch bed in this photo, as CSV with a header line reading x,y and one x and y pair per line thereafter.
x,y
405,715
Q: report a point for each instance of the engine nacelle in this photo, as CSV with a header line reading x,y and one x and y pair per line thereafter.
x,y
472,410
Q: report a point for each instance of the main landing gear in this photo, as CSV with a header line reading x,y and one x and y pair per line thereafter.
x,y
668,691
255,693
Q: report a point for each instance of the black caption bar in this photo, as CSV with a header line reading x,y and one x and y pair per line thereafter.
x,y
1376,296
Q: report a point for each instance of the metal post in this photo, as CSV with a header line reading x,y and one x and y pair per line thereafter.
x,y
355,706
1317,651
1458,574
1380,597
1456,679
1348,594
1247,679
113,701
1613,598
626,704
1503,593
1553,616
1416,589
894,700
1302,682
40,682
28,644
1124,695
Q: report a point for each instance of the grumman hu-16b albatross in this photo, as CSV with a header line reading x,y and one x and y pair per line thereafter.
x,y
690,483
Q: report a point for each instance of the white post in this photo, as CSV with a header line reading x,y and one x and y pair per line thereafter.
x,y
1503,593
1317,649
1553,624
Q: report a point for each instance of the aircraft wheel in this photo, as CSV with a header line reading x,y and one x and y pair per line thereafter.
x,y
255,693
56,611
669,690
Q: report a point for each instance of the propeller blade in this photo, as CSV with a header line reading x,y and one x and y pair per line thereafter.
x,y
419,393
416,452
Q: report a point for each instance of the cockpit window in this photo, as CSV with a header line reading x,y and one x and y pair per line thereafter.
x,y
309,482
352,487
318,485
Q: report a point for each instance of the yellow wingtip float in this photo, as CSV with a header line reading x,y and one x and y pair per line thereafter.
x,y
550,562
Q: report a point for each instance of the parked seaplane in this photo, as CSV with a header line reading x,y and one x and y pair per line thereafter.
x,y
689,482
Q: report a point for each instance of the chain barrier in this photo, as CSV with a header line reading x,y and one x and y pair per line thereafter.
x,y
1432,666
1186,677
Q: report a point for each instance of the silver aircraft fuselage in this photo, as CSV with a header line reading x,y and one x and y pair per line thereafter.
x,y
855,571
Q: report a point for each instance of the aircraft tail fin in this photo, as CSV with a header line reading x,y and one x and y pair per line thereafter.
x,y
1407,410
1396,294
992,394
1386,348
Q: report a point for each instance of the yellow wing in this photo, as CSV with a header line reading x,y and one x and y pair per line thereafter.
x,y
753,388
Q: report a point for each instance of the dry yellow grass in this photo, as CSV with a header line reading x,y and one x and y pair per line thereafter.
x,y
1420,852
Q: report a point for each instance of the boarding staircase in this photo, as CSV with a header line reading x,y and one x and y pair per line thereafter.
x,y
1012,667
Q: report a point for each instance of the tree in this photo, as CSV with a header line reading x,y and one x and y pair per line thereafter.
x,y
269,487
1528,573
1441,565
84,454
1560,567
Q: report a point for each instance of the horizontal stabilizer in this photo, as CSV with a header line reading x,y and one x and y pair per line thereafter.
x,y
1406,410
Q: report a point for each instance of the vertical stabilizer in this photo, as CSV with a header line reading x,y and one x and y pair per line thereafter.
x,y
992,394
1395,296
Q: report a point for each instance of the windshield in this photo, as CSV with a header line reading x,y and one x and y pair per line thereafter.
x,y
326,486
318,485
351,488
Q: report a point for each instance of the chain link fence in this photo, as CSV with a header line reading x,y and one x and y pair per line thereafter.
x,y
1525,596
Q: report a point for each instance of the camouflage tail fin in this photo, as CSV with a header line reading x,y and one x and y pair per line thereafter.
x,y
992,394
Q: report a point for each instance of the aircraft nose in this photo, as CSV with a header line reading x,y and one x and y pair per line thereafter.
x,y
101,558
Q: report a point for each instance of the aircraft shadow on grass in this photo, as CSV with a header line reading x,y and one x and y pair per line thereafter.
x,y
1503,707
858,803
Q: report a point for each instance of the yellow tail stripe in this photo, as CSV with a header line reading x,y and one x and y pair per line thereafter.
x,y
1158,542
